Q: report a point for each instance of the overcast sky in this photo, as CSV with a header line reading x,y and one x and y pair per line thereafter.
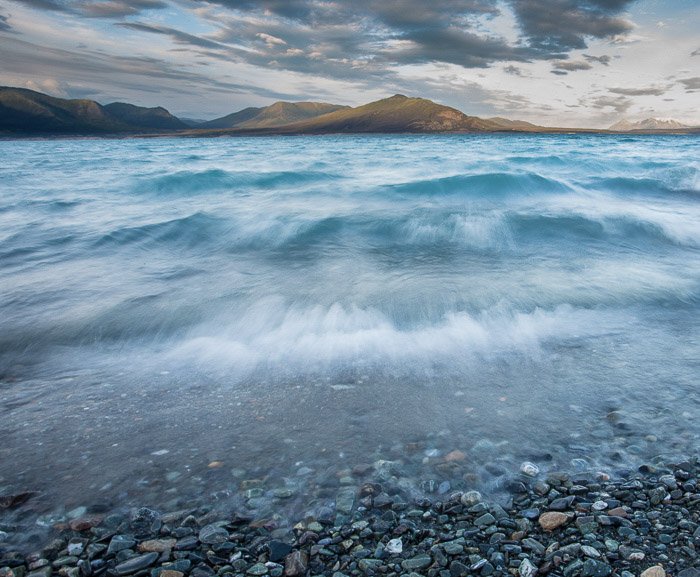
x,y
554,62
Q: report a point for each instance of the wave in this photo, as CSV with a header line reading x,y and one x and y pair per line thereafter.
x,y
502,230
213,180
678,182
550,160
319,338
187,232
491,185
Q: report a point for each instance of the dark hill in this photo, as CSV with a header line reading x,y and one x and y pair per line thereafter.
x,y
232,120
396,114
275,115
27,111
156,118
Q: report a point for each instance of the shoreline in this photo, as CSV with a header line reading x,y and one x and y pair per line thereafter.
x,y
568,525
39,137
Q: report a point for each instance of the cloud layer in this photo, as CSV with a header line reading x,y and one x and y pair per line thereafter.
x,y
533,57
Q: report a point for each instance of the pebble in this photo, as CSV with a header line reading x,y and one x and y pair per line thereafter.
x,y
156,545
471,498
257,569
526,568
296,563
577,525
654,571
552,520
394,546
136,564
421,562
529,469
455,456
213,533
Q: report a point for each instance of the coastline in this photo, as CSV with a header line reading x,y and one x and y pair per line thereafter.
x,y
226,133
569,525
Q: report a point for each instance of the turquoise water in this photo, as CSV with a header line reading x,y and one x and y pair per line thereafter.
x,y
280,303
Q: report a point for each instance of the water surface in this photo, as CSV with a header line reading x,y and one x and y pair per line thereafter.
x,y
180,315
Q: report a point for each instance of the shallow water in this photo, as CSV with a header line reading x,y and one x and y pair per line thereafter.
x,y
179,315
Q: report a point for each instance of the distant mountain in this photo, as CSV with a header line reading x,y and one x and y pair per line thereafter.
x,y
156,118
390,115
23,110
648,124
275,115
519,125
192,122
26,112
232,120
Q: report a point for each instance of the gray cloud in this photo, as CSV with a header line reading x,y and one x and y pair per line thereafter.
x,y
122,74
513,70
363,41
690,83
4,24
119,8
178,36
52,5
96,9
571,65
620,104
415,31
647,91
559,26
604,59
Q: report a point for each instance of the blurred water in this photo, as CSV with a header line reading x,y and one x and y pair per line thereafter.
x,y
273,302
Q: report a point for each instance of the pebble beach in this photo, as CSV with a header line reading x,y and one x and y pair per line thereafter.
x,y
559,524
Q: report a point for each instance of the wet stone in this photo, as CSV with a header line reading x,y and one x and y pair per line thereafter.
x,y
43,572
526,568
484,520
156,545
214,533
458,569
257,569
186,543
278,550
119,543
136,564
552,520
417,563
296,563
533,545
655,571
345,500
593,568
586,525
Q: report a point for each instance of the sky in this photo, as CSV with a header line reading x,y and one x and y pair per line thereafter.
x,y
585,63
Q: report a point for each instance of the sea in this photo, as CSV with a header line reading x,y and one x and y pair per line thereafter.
x,y
257,323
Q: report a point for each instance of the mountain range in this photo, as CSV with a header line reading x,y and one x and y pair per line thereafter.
x,y
26,112
648,124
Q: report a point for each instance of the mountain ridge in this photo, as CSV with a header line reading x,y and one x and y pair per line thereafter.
x,y
648,124
25,112
275,115
394,114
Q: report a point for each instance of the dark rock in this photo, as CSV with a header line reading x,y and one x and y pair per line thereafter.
x,y
296,563
417,563
213,533
136,564
278,550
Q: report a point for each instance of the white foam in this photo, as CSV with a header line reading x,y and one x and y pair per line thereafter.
x,y
319,338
